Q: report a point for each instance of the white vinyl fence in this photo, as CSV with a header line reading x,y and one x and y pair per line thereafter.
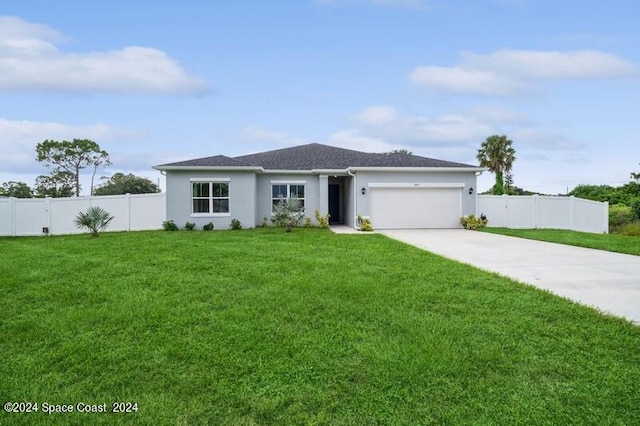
x,y
536,211
30,216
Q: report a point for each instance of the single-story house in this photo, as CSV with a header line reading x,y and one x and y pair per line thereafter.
x,y
393,190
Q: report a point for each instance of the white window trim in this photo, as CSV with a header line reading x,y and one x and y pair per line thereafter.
x,y
289,183
209,180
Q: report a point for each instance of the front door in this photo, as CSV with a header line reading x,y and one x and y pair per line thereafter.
x,y
334,204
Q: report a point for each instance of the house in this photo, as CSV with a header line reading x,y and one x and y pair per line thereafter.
x,y
393,190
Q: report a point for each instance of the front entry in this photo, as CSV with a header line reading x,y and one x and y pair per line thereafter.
x,y
334,204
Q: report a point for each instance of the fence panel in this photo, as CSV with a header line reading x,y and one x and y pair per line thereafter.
x,y
554,213
30,215
20,217
6,216
529,212
148,211
587,213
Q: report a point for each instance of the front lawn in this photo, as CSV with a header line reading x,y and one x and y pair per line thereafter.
x,y
609,242
265,327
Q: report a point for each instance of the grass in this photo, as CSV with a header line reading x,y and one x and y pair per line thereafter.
x,y
609,242
266,327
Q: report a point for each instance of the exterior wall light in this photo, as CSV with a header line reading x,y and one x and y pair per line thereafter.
x,y
470,190
364,190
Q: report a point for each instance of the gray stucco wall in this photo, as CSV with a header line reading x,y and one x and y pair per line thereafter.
x,y
363,179
264,182
242,196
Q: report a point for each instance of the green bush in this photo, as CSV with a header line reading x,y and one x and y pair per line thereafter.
x,y
208,227
264,223
235,225
635,208
619,216
169,225
307,222
366,225
631,229
189,226
472,222
323,221
288,213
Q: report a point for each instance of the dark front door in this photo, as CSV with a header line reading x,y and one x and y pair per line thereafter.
x,y
334,203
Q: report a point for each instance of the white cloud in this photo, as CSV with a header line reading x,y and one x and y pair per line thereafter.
x,y
257,134
509,72
384,123
26,49
18,140
551,65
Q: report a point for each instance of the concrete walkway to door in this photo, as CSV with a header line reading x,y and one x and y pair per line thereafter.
x,y
605,280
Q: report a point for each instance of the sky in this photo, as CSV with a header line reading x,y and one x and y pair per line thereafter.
x,y
158,81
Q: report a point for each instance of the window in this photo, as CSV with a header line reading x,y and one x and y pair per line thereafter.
x,y
210,197
288,190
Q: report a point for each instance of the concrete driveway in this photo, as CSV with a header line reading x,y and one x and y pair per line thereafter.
x,y
605,280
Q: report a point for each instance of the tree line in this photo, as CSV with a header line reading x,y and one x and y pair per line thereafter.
x,y
66,160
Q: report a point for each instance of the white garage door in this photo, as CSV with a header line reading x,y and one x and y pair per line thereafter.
x,y
407,208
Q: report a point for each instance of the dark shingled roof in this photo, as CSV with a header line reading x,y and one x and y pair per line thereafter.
x,y
317,156
216,161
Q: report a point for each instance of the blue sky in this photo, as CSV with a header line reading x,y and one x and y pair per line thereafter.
x,y
155,82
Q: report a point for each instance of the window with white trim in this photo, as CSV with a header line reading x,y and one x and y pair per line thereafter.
x,y
287,190
209,197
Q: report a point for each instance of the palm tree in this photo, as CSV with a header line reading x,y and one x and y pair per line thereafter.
x,y
497,154
95,219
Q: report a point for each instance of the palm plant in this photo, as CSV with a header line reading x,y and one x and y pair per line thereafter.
x,y
497,154
95,219
288,213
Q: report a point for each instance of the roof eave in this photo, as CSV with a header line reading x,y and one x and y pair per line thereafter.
x,y
418,169
211,168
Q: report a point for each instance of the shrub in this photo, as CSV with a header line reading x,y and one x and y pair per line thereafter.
x,y
307,222
189,226
619,216
288,213
472,222
235,225
169,225
366,225
95,219
264,223
635,208
208,227
631,229
323,221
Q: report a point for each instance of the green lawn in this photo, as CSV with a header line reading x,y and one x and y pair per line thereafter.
x,y
265,327
609,242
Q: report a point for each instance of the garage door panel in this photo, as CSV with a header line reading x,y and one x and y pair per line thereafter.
x,y
405,208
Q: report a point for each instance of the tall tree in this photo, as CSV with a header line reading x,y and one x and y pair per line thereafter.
x,y
56,185
120,183
16,189
635,176
72,157
497,154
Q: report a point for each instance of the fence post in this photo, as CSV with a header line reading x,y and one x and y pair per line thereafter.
x,y
505,201
47,206
12,208
606,217
536,211
571,212
128,212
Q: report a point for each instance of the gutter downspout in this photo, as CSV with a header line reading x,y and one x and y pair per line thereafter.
x,y
355,198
